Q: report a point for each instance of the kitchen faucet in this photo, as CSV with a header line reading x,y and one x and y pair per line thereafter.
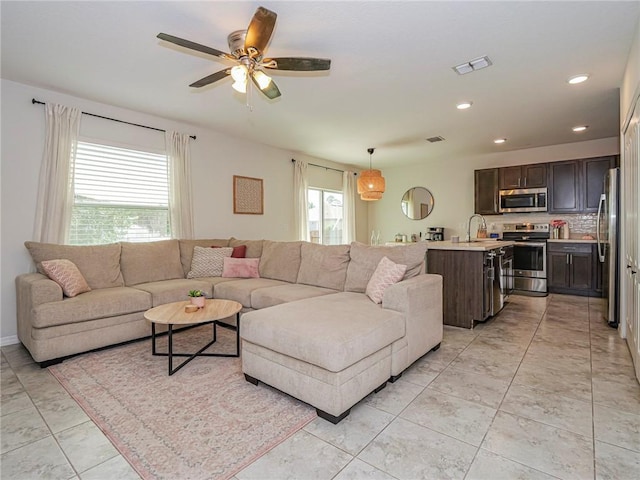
x,y
484,225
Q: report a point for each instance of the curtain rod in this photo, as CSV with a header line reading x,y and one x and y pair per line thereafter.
x,y
322,166
34,101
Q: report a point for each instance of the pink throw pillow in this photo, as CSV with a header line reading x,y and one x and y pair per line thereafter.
x,y
66,274
386,273
241,267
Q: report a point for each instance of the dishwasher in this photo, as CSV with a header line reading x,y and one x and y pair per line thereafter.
x,y
498,276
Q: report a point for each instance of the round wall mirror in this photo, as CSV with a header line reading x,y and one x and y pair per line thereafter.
x,y
417,203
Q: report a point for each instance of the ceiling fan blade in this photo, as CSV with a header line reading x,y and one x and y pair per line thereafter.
x,y
299,64
194,46
270,90
259,31
211,78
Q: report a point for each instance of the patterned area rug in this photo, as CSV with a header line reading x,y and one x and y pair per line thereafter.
x,y
203,422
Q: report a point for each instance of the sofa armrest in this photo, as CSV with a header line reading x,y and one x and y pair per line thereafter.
x,y
420,299
34,289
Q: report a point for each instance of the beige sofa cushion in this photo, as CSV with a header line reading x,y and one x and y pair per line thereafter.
x,y
344,328
280,260
365,259
150,261
99,264
186,250
254,247
100,303
268,297
240,290
167,291
324,265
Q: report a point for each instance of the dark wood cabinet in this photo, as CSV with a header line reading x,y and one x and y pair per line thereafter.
x,y
575,185
486,191
593,172
524,176
564,187
463,285
572,268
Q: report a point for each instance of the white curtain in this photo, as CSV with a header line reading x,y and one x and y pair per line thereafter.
x,y
349,188
55,185
300,200
180,196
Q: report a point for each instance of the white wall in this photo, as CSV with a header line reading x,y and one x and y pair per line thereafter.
x,y
451,182
631,79
215,159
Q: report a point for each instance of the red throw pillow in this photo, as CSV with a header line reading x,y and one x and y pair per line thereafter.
x,y
238,252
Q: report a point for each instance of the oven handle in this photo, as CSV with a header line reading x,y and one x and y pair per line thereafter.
x,y
530,244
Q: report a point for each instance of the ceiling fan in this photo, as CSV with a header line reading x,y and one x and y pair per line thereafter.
x,y
247,50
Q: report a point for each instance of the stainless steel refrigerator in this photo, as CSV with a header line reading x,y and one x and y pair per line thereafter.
x,y
607,236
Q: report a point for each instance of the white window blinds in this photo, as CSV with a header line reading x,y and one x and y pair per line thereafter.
x,y
120,194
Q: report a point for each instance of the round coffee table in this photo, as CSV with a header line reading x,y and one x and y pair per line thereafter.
x,y
171,314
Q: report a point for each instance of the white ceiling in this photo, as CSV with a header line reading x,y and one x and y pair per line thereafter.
x,y
390,85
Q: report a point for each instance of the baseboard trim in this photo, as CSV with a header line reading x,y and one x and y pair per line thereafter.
x,y
10,340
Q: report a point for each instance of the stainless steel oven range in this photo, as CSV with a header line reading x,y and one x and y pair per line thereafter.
x,y
529,256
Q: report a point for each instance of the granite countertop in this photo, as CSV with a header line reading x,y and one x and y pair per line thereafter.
x,y
479,246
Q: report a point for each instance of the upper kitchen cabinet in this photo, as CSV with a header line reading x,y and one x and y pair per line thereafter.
x,y
486,191
593,171
575,185
564,187
523,176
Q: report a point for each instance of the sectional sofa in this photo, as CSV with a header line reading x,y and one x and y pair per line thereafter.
x,y
307,326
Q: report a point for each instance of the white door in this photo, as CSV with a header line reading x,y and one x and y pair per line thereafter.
x,y
630,258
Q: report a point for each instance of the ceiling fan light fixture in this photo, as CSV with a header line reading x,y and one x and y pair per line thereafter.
x,y
240,87
262,79
239,73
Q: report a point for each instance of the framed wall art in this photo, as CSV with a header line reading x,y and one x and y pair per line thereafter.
x,y
248,195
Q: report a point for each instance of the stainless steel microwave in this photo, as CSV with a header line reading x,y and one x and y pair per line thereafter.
x,y
523,200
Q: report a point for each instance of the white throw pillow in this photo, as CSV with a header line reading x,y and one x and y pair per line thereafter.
x,y
386,273
208,262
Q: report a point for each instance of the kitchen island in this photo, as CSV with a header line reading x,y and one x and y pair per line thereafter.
x,y
471,282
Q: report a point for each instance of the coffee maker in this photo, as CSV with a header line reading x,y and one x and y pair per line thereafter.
x,y
435,234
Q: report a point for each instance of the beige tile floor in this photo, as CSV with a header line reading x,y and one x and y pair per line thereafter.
x,y
544,390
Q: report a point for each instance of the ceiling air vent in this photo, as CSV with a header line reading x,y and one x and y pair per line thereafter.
x,y
473,65
435,139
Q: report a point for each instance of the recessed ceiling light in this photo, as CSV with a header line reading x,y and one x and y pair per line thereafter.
x,y
583,77
464,105
500,140
580,128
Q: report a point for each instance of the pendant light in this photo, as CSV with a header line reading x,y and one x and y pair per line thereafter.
x,y
371,183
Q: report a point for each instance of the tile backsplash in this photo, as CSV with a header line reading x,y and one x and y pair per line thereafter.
x,y
579,223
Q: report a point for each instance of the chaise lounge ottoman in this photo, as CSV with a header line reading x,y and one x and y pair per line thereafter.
x,y
328,351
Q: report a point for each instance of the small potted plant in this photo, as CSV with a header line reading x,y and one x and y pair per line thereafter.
x,y
197,298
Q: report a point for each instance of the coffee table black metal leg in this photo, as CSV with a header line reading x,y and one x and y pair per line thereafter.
x,y
238,334
170,336
153,338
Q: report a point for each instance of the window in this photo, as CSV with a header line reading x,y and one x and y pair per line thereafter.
x,y
119,195
325,216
